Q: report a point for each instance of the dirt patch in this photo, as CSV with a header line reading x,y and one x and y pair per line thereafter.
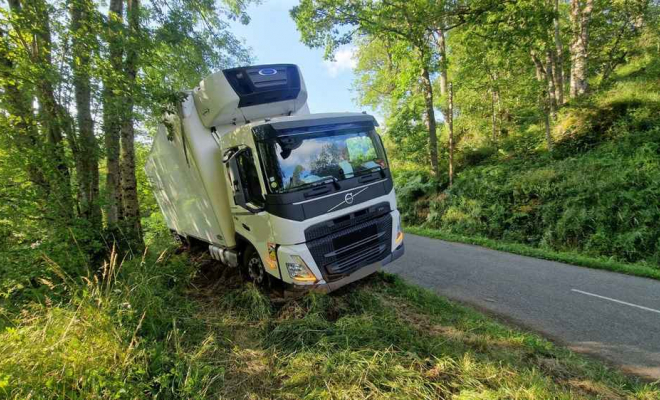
x,y
249,374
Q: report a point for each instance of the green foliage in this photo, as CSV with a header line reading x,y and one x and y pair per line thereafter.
x,y
628,108
56,53
413,190
591,195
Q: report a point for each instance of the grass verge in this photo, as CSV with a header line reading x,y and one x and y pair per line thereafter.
x,y
169,326
642,270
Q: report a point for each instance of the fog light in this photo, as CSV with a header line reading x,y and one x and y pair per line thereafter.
x,y
399,233
299,271
399,238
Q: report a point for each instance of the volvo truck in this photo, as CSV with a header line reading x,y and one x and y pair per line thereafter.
x,y
241,166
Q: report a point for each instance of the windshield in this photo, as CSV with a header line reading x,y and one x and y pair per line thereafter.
x,y
298,160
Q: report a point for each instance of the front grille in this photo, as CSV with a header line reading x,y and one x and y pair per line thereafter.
x,y
345,251
346,221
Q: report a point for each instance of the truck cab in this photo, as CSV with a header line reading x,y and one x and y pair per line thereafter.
x,y
314,194
308,198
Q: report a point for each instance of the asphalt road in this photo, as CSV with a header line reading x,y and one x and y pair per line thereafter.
x,y
613,316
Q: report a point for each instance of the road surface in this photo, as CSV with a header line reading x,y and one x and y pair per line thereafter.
x,y
613,316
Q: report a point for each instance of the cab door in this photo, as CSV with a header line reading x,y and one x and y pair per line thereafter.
x,y
250,219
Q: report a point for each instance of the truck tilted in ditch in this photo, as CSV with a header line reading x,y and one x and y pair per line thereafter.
x,y
305,199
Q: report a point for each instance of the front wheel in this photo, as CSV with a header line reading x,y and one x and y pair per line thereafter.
x,y
254,268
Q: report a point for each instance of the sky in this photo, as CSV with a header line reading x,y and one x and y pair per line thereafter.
x,y
273,38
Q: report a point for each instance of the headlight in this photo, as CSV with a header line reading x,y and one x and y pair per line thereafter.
x,y
299,271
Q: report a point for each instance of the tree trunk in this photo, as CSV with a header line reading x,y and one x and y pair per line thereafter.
x,y
493,115
111,112
444,81
545,109
128,180
544,102
87,155
450,118
558,56
23,130
53,118
494,103
427,88
444,64
552,90
580,18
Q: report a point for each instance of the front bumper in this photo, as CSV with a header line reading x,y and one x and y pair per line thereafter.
x,y
396,254
327,287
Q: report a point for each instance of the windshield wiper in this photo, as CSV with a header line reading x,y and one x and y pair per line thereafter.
x,y
322,181
369,170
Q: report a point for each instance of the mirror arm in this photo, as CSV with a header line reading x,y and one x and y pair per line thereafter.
x,y
254,210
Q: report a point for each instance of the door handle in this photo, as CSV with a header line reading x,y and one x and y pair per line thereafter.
x,y
247,228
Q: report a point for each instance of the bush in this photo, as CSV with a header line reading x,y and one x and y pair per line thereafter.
x,y
413,189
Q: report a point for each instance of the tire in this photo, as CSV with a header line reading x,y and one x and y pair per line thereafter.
x,y
253,269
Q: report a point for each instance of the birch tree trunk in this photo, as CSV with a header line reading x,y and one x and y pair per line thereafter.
x,y
558,55
444,85
87,154
444,64
494,103
544,103
493,115
580,17
450,118
552,89
127,164
111,112
427,89
545,109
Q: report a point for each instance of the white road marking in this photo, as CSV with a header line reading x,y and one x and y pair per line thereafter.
x,y
616,301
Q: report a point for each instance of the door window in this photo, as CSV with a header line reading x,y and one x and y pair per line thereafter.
x,y
250,178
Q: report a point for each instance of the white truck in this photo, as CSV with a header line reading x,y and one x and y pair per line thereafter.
x,y
305,200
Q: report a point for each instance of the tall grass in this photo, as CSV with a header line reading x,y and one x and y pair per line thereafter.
x,y
116,335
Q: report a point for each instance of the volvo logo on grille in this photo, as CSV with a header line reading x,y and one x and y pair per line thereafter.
x,y
349,198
